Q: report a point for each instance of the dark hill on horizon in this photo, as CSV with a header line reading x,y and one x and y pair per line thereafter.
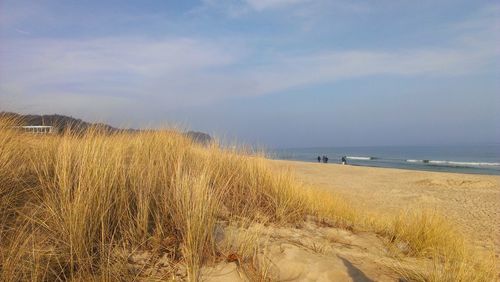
x,y
63,123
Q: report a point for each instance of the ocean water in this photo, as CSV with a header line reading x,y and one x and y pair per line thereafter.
x,y
477,159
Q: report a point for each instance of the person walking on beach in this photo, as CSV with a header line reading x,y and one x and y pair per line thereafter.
x,y
344,160
325,159
319,159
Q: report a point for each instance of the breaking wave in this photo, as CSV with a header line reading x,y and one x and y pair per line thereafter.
x,y
455,163
431,162
360,158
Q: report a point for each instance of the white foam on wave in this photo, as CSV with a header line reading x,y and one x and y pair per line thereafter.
x,y
438,162
473,163
360,158
454,163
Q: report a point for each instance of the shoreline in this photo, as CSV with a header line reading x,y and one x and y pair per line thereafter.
x,y
409,168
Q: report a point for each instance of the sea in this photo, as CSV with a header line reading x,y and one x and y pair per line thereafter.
x,y
474,159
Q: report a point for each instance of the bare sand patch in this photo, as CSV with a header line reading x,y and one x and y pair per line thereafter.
x,y
311,252
308,252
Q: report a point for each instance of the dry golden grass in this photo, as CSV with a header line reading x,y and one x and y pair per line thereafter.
x,y
426,234
69,204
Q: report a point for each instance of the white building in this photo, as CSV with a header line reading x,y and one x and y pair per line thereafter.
x,y
38,129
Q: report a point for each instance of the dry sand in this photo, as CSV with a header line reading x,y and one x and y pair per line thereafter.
x,y
471,201
308,252
314,252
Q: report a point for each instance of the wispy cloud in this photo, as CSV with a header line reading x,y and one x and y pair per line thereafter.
x,y
181,71
62,75
305,11
22,31
270,4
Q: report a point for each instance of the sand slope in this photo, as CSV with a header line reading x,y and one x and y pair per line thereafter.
x,y
308,252
312,252
472,201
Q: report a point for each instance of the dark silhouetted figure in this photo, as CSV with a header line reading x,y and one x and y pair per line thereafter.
x,y
319,159
344,160
325,159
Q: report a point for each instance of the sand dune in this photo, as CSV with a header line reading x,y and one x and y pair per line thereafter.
x,y
309,252
471,201
318,251
313,252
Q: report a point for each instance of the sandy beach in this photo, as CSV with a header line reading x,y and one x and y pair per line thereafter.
x,y
470,201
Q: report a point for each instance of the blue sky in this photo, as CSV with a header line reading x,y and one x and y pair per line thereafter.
x,y
275,73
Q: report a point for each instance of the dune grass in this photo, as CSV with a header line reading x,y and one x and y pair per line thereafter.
x,y
69,204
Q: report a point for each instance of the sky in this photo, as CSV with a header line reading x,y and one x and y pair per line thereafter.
x,y
271,73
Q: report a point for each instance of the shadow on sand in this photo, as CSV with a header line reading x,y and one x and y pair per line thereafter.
x,y
356,274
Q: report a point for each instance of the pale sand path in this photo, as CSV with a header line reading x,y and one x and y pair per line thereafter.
x,y
472,201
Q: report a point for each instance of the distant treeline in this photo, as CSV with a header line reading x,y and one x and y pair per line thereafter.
x,y
63,123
